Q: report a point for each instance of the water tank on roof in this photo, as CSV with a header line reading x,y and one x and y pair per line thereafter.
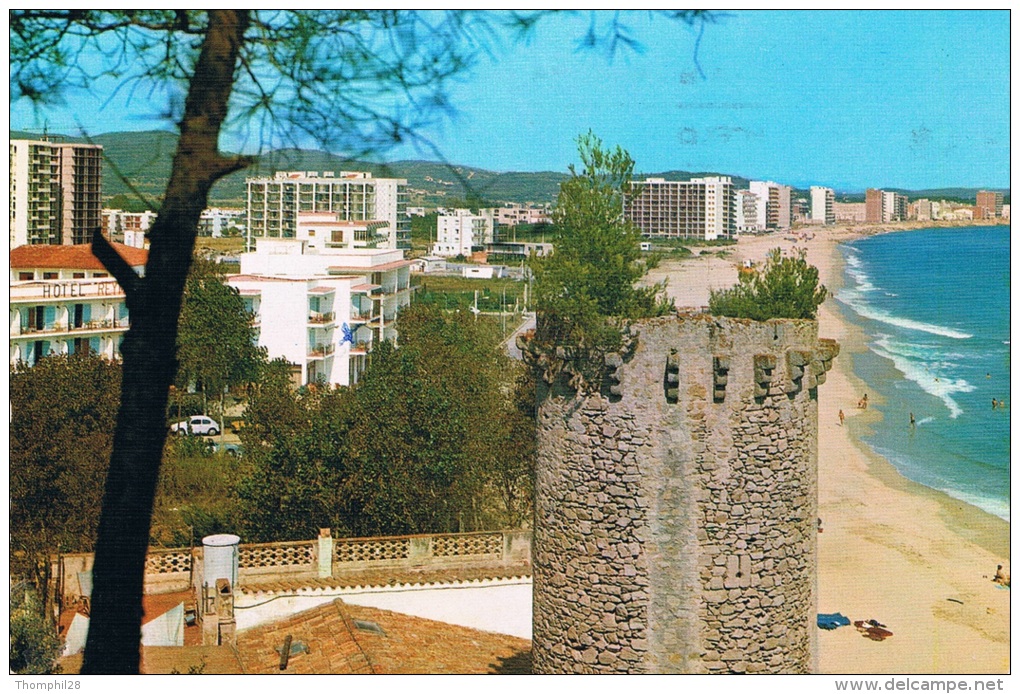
x,y
220,557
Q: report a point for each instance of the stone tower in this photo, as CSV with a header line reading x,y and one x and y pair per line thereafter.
x,y
676,511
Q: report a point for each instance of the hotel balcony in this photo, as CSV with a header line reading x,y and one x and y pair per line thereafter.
x,y
320,351
58,328
316,318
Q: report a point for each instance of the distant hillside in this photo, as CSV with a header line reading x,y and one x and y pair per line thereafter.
x,y
144,158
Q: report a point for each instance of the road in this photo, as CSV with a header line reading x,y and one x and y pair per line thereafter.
x,y
511,342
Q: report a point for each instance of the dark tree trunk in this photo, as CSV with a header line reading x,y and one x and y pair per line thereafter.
x,y
149,353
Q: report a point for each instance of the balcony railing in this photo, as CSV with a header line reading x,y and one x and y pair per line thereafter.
x,y
320,350
62,327
320,318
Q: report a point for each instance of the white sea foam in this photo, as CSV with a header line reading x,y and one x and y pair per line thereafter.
x,y
931,376
994,506
865,310
855,297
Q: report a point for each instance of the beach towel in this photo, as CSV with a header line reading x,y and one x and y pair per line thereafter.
x,y
832,621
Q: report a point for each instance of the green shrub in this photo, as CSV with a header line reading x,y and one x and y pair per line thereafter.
x,y
35,645
786,287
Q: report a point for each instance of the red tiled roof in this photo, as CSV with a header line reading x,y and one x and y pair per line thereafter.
x,y
74,257
408,645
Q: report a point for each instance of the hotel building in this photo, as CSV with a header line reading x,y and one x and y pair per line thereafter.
x,y
323,306
353,196
63,301
55,192
702,208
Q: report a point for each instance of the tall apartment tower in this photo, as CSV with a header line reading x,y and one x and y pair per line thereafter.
x,y
702,208
81,200
775,212
822,200
990,203
55,192
353,196
873,200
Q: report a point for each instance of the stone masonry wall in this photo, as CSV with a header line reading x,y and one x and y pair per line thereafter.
x,y
675,515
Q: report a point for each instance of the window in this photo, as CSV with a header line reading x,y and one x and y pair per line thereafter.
x,y
23,276
78,275
100,274
50,276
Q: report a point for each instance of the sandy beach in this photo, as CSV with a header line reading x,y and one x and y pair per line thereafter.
x,y
912,558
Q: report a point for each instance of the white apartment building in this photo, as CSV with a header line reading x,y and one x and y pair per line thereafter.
x,y
324,230
62,301
749,219
703,208
458,231
218,221
776,212
273,203
127,227
894,206
822,201
515,214
320,307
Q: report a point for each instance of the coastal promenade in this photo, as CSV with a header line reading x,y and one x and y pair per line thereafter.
x,y
892,550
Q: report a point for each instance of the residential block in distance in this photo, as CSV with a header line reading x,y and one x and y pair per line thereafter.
x,y
55,192
822,201
702,208
273,203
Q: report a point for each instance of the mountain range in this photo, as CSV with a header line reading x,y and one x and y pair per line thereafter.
x,y
140,162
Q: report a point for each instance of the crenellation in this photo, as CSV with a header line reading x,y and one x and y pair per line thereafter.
x,y
703,499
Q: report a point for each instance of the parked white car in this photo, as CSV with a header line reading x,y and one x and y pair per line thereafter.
x,y
199,425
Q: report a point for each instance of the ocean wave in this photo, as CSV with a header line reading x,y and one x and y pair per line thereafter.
x,y
862,281
865,310
923,373
989,504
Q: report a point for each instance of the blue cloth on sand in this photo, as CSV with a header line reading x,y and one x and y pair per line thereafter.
x,y
831,621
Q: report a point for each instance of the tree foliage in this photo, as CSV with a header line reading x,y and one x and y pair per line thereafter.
x,y
785,287
437,437
63,413
216,343
34,646
585,290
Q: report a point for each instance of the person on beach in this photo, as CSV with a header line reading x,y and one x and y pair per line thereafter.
x,y
841,417
1001,577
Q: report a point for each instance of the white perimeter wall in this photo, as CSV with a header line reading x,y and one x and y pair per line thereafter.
x,y
499,606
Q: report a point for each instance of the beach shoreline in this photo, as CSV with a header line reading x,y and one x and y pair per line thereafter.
x,y
911,557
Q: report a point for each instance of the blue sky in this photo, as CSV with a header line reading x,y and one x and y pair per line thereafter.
x,y
851,99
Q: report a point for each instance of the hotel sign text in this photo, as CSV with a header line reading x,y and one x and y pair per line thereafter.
x,y
75,289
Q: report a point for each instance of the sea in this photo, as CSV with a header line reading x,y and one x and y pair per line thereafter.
x,y
934,305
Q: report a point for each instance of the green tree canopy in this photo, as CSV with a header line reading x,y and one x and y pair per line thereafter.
x,y
437,437
216,343
586,288
785,287
63,412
